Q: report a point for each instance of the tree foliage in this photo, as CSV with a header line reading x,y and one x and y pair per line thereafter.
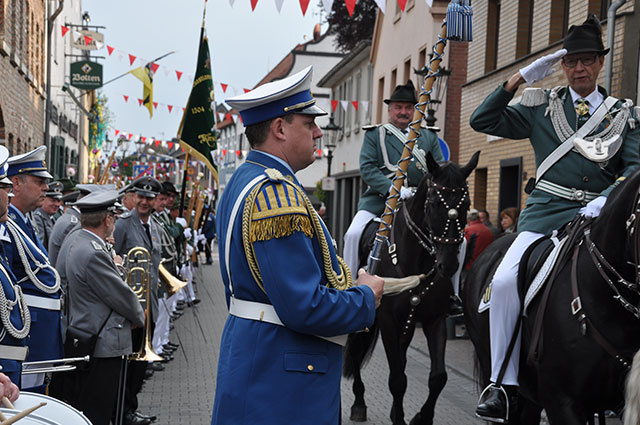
x,y
350,30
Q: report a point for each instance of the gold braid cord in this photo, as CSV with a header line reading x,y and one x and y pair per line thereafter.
x,y
285,225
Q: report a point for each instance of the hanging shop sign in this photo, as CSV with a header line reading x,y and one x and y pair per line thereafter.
x,y
86,75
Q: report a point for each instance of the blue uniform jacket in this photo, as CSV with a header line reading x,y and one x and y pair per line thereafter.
x,y
45,337
270,374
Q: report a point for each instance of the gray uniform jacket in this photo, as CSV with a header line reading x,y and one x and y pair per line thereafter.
x,y
129,234
67,222
96,293
43,224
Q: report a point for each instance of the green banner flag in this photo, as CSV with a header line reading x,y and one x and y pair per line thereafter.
x,y
197,133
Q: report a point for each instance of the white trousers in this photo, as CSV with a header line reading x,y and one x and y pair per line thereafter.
x,y
162,325
505,307
187,274
352,240
455,279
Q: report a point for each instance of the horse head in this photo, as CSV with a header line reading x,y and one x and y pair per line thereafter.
x,y
442,200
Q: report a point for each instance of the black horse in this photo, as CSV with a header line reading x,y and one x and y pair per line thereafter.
x,y
426,235
576,347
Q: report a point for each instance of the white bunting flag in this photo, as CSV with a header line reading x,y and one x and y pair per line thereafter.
x,y
365,106
220,117
430,3
328,5
279,5
235,118
231,2
345,104
382,4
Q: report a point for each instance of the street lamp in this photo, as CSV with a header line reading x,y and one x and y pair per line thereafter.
x,y
332,131
437,91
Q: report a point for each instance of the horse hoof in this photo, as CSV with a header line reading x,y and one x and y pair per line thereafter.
x,y
359,413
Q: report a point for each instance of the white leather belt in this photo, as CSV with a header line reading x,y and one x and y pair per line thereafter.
x,y
266,313
42,302
11,352
566,193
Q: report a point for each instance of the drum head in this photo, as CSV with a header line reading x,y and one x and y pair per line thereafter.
x,y
55,412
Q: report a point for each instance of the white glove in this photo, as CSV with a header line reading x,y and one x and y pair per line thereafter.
x,y
187,233
189,250
592,209
201,237
181,221
405,192
541,67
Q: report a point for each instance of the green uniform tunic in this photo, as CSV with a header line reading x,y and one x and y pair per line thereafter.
x,y
545,212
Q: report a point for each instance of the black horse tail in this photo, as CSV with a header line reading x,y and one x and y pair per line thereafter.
x,y
358,350
632,402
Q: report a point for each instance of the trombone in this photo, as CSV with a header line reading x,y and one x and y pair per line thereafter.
x,y
46,366
137,266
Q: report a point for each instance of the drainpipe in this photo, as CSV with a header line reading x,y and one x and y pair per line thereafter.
x,y
47,108
611,26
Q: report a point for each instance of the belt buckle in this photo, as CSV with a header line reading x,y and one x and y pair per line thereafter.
x,y
579,194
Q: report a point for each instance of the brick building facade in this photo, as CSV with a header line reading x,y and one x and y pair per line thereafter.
x,y
22,74
509,35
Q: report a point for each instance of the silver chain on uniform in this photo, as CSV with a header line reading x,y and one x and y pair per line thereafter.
x,y
20,239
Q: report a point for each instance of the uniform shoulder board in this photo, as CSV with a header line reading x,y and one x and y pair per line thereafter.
x,y
371,127
74,219
278,210
126,214
532,97
96,246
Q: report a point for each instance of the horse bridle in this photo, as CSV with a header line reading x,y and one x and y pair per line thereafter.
x,y
453,213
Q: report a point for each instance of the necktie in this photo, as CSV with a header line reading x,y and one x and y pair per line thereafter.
x,y
146,229
582,109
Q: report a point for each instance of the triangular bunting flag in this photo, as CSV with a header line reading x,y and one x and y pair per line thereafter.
x,y
140,101
157,143
129,136
224,87
334,105
365,106
235,118
154,67
155,105
351,5
355,104
246,90
304,4
170,108
178,74
279,5
170,144
345,104
126,98
220,117
110,49
327,4
132,59
402,4
99,45
117,132
227,117
253,4
144,139
231,2
120,55
65,30
430,3
238,152
166,71
87,40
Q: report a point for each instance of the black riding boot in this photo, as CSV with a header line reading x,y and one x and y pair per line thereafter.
x,y
497,403
455,306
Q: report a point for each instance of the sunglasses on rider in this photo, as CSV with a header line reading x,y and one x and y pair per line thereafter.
x,y
571,62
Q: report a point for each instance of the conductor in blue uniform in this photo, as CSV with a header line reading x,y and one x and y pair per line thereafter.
x,y
290,298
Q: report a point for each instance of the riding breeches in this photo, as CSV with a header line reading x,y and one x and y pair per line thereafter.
x,y
352,239
505,308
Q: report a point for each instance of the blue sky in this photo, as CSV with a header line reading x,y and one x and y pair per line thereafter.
x,y
244,46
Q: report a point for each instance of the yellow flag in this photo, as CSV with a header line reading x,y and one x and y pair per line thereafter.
x,y
145,74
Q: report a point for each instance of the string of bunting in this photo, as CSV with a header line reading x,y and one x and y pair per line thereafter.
x,y
328,4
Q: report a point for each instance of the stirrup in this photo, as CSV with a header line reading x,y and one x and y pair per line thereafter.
x,y
481,400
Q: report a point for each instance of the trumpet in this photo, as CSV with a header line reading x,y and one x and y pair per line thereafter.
x,y
137,266
171,283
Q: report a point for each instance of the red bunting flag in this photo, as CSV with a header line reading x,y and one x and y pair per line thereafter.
x,y
117,132
154,67
144,139
141,101
130,135
178,74
65,30
320,152
228,117
170,108
334,105
155,105
304,4
170,144
110,49
157,143
132,59
247,90
126,98
238,152
253,4
402,4
355,104
224,87
224,151
87,40
351,5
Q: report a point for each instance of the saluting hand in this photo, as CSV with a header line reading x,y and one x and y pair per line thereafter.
x,y
375,282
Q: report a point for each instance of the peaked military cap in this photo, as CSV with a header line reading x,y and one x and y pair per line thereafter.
x,y
87,188
168,188
290,95
147,186
406,93
68,185
102,200
30,163
585,38
4,156
55,190
71,197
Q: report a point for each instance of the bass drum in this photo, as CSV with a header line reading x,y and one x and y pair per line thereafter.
x,y
55,412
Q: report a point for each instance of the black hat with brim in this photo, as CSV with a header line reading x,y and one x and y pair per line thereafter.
x,y
585,38
406,93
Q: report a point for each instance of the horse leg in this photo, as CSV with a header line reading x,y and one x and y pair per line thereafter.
x,y
436,333
564,411
395,347
359,408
